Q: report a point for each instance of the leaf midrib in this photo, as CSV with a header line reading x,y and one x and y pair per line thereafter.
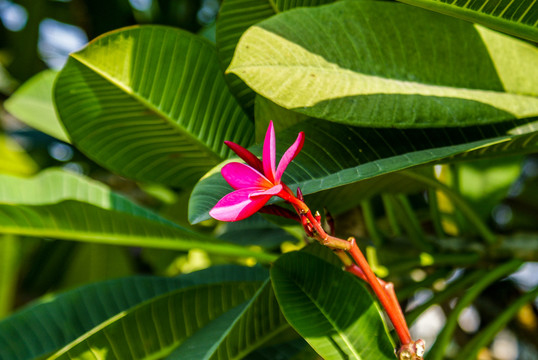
x,y
238,319
132,310
471,15
339,332
344,73
223,248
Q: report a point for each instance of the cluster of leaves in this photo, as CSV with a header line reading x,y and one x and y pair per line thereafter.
x,y
381,100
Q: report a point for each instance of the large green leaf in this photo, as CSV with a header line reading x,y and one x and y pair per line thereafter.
x,y
235,17
54,322
155,327
237,333
339,62
330,308
335,155
63,205
151,103
519,18
32,103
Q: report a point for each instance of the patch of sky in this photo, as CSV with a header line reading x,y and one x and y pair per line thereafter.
x,y
57,40
13,16
141,5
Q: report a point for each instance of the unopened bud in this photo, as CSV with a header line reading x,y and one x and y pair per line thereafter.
x,y
420,348
300,194
412,351
406,355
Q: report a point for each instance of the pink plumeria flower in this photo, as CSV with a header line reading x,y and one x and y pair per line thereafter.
x,y
256,181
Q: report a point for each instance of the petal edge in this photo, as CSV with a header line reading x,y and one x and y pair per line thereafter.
x,y
289,155
269,153
238,205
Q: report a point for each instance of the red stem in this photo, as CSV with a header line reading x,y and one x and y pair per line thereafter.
x,y
384,291
394,312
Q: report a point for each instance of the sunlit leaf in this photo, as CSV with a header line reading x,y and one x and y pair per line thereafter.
x,y
32,104
54,322
237,332
155,327
432,71
235,17
61,205
150,103
484,184
15,160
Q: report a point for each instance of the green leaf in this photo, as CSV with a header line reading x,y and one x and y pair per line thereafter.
x,y
255,230
430,72
150,103
209,32
330,308
62,205
155,327
9,266
293,350
484,184
235,17
237,332
54,185
334,155
15,160
32,104
55,321
517,18
322,252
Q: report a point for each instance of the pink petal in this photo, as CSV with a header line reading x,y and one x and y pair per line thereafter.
x,y
238,205
269,153
272,191
246,155
288,156
241,176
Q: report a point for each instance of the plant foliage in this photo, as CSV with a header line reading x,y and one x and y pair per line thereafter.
x,y
420,126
